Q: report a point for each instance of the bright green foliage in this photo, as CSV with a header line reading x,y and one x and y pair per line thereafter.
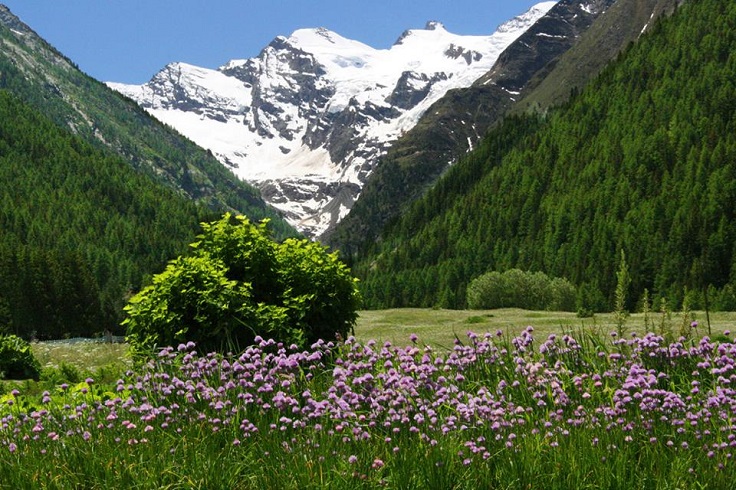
x,y
521,289
247,251
192,298
317,288
17,360
239,284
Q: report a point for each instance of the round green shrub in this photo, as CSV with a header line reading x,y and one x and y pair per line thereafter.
x,y
17,360
238,284
515,288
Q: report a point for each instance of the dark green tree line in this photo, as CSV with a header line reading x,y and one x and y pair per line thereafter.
x,y
79,228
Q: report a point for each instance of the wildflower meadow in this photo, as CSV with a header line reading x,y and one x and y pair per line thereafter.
x,y
572,410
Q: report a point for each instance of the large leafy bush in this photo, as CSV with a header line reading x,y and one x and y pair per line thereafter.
x,y
17,360
521,289
239,284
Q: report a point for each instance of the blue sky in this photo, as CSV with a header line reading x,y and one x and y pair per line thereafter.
x,y
130,40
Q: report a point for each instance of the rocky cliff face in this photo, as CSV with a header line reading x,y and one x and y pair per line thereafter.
x,y
622,23
308,119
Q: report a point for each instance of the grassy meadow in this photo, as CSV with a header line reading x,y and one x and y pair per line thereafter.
x,y
418,399
439,328
88,356
436,327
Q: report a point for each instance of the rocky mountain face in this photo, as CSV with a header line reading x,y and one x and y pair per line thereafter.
x,y
308,119
623,23
562,51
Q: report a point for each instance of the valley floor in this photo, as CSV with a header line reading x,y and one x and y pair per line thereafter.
x,y
439,327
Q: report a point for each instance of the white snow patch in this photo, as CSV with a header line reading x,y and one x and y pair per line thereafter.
x,y
543,34
646,25
586,7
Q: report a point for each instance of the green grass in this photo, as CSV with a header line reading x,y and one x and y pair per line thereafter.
x,y
439,327
85,356
72,362
532,411
435,327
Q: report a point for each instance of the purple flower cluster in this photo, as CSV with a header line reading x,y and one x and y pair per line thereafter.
x,y
490,394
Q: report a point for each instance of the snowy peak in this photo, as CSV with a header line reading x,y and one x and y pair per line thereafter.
x,y
324,40
309,117
178,85
431,25
527,18
316,36
332,50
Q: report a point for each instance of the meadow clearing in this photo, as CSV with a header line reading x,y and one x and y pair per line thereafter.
x,y
417,399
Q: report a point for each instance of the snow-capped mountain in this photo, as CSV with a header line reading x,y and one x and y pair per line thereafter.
x,y
308,118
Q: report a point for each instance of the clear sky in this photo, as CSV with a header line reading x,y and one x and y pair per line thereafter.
x,y
130,40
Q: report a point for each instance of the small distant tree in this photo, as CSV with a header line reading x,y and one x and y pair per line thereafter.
x,y
487,291
622,287
239,284
646,308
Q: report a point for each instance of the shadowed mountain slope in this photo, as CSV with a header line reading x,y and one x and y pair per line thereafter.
x,y
641,160
38,74
456,123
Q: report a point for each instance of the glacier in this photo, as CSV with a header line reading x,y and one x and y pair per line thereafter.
x,y
308,119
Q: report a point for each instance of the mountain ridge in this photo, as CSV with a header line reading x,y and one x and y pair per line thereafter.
x,y
307,118
457,122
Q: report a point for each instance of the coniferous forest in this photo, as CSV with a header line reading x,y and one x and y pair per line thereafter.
x,y
80,228
46,80
643,160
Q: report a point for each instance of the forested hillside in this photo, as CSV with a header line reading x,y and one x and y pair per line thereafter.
x,y
97,195
563,51
642,160
78,228
45,79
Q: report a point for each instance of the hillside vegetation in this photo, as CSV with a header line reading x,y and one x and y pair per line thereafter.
x,y
564,50
642,160
39,75
79,228
622,23
97,195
